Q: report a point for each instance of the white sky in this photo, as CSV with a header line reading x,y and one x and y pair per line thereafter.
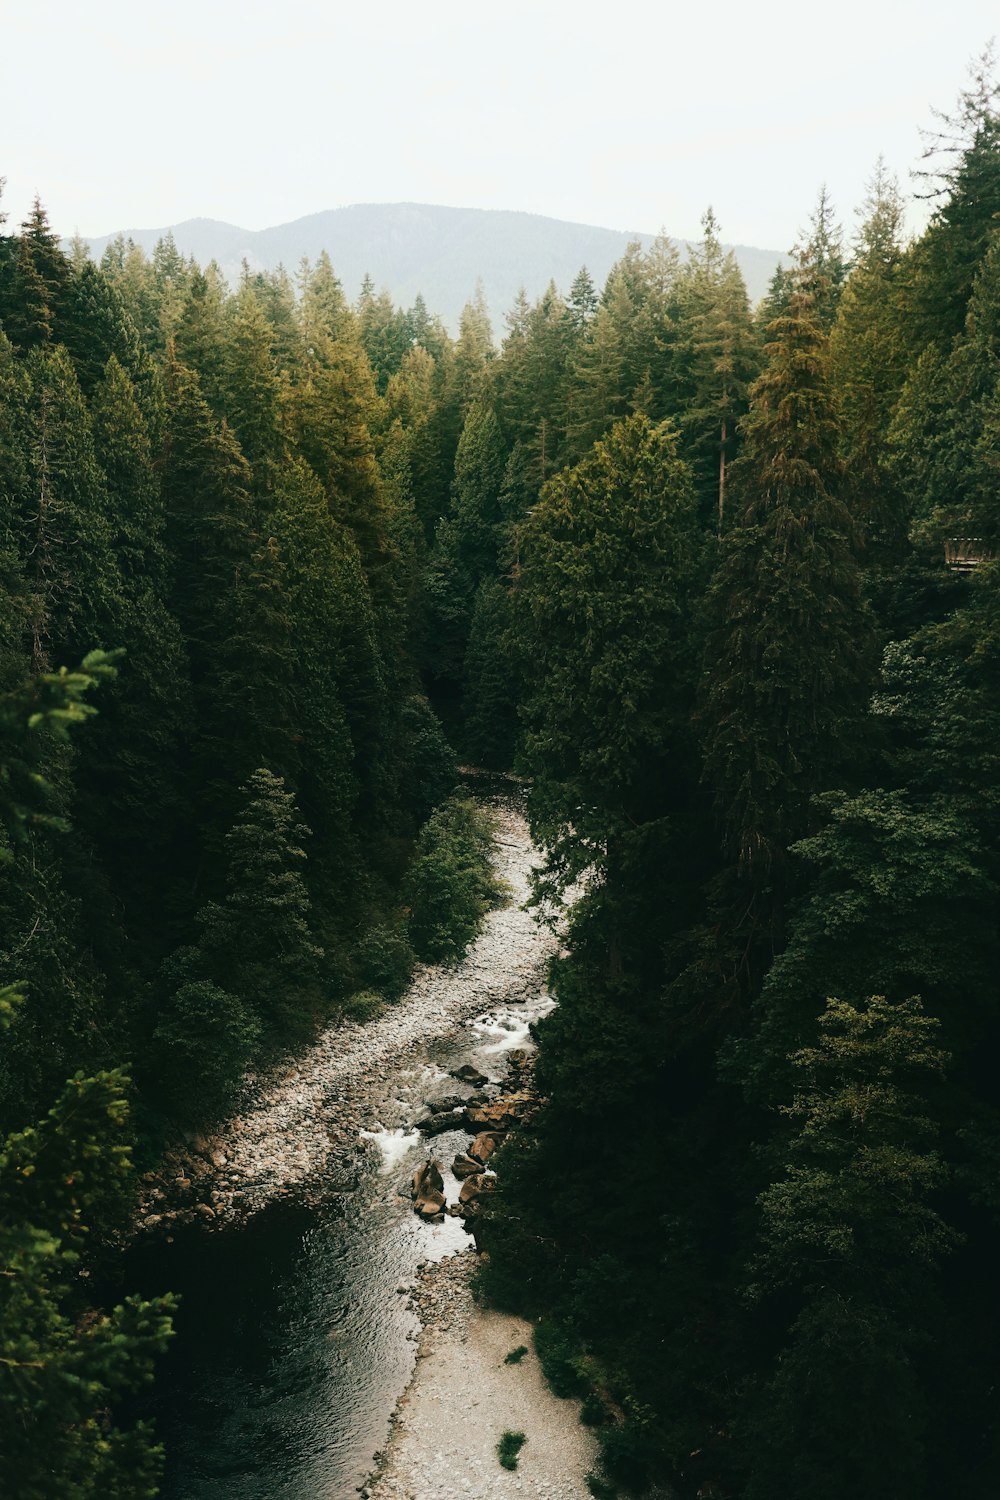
x,y
125,115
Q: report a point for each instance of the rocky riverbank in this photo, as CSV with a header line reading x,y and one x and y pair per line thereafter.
x,y
298,1131
465,1394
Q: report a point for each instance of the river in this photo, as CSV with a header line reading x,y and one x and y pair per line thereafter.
x,y
295,1340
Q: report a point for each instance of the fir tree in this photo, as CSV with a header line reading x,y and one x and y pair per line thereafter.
x,y
789,661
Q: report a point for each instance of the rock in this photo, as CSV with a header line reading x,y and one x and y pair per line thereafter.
x,y
427,1179
483,1148
467,1073
219,1159
472,1187
501,1113
205,1211
431,1206
465,1166
446,1102
437,1124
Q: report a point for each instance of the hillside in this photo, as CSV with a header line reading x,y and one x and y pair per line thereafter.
x,y
439,252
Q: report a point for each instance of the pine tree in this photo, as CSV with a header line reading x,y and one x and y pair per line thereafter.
x,y
69,563
720,358
851,1231
944,262
258,939
868,366
33,283
130,773
789,661
227,597
609,559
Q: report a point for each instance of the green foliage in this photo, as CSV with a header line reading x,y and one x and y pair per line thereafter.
x,y
600,1488
610,563
202,1044
383,960
450,885
52,702
789,659
516,1355
426,761
258,938
560,1356
63,1368
365,1006
509,1447
593,1411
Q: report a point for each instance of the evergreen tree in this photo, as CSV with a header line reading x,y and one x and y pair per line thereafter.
x,y
609,559
258,939
789,662
721,359
852,1231
868,366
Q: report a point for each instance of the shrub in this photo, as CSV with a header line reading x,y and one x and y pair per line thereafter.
x,y
509,1447
451,884
366,1005
516,1355
383,960
629,1455
600,1488
559,1355
593,1412
203,1042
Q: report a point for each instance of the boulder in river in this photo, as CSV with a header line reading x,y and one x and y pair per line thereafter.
x,y
468,1073
475,1187
430,1207
465,1166
436,1124
427,1179
483,1148
446,1101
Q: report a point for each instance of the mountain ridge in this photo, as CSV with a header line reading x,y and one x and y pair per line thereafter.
x,y
435,250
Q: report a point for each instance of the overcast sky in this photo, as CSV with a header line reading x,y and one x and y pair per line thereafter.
x,y
124,115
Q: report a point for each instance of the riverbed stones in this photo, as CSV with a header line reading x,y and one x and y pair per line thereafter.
x,y
502,1113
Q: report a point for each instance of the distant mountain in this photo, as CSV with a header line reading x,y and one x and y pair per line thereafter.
x,y
439,252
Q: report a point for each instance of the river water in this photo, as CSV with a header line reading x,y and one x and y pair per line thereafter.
x,y
294,1340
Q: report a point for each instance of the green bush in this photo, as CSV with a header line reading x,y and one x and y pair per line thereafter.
x,y
451,884
383,960
559,1355
366,1005
509,1447
629,1454
203,1042
600,1488
516,1355
593,1412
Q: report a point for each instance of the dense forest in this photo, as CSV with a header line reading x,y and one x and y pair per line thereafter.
x,y
720,583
